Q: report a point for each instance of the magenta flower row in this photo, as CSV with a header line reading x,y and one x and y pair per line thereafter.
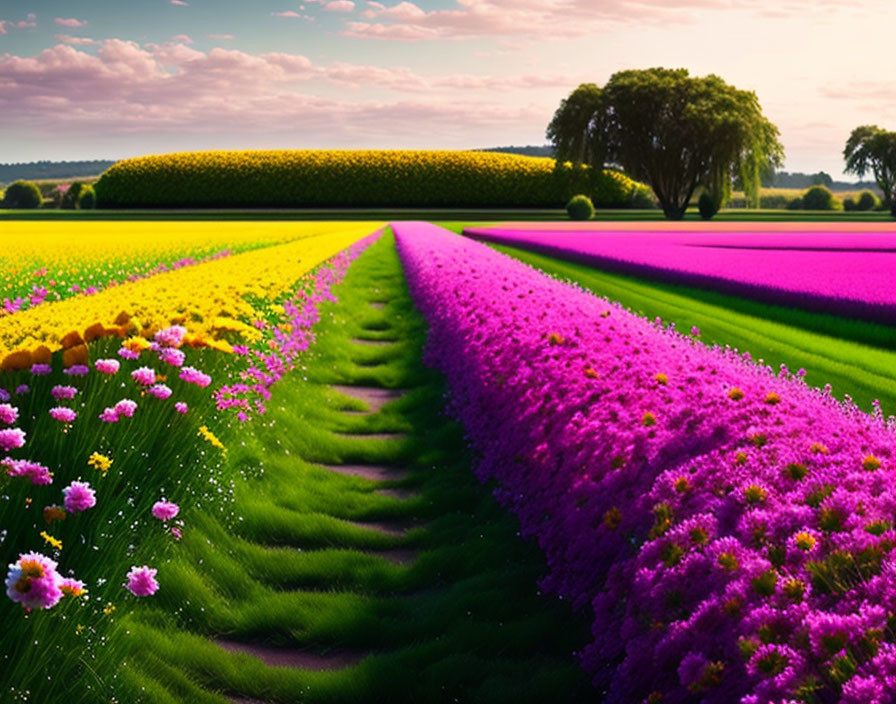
x,y
731,529
845,273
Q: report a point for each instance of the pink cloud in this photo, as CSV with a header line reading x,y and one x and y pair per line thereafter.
x,y
181,39
3,24
339,6
222,36
31,16
24,25
68,39
289,13
180,3
71,22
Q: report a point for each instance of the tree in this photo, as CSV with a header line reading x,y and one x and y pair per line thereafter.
x,y
670,130
822,179
870,148
22,195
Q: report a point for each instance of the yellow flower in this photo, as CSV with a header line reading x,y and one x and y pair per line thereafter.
x,y
871,463
648,419
661,379
100,462
51,540
210,437
110,607
735,394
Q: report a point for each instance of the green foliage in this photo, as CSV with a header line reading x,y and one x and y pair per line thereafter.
x,y
580,208
670,130
850,204
867,201
86,198
354,179
819,198
795,204
71,196
870,148
822,179
707,205
22,195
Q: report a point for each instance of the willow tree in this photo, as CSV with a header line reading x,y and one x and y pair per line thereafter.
x,y
870,148
670,130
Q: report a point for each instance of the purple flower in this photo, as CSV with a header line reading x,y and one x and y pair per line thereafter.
x,y
79,497
126,408
165,510
41,369
192,375
8,414
33,581
11,438
126,353
109,415
63,392
77,370
172,356
142,582
63,414
180,407
159,391
107,366
22,389
144,376
37,473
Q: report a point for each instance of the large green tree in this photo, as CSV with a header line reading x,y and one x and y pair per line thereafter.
x,y
673,131
870,148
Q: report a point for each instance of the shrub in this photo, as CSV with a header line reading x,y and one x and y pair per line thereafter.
x,y
642,197
867,201
708,205
850,204
819,198
332,178
795,204
580,208
22,195
86,198
71,196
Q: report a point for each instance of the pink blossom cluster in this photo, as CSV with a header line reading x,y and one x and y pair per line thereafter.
x,y
731,528
36,472
123,409
848,273
285,342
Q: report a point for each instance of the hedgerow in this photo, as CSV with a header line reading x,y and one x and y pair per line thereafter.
x,y
330,178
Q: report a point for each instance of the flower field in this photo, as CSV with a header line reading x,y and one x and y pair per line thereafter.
x,y
731,528
114,409
845,272
227,473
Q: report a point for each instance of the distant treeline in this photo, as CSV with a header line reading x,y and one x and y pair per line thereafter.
x,y
40,170
531,150
795,179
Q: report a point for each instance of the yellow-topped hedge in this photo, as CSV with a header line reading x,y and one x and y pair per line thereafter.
x,y
331,178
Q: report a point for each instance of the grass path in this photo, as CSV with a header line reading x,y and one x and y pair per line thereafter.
x,y
363,562
857,358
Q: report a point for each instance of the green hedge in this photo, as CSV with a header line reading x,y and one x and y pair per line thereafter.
x,y
328,178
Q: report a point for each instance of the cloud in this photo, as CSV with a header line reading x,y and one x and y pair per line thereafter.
x,y
181,39
70,22
551,19
68,39
3,24
31,16
291,14
179,3
339,6
221,36
126,89
23,24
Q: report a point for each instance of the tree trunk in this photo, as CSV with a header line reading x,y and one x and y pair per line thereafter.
x,y
675,212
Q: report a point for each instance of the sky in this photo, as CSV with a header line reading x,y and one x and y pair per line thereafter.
x,y
96,79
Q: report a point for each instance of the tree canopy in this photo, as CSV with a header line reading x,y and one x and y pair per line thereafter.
x,y
671,130
871,148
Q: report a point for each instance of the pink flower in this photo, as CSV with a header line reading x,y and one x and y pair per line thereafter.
x,y
107,366
144,376
63,392
11,438
109,415
41,369
126,407
77,370
159,391
175,531
172,336
172,356
192,375
72,587
125,353
34,582
8,414
142,582
37,473
181,407
62,414
79,497
165,510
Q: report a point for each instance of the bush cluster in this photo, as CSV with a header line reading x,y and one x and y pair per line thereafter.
x,y
330,178
22,195
580,208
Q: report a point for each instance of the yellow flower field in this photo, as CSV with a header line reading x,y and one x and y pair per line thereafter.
x,y
207,299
